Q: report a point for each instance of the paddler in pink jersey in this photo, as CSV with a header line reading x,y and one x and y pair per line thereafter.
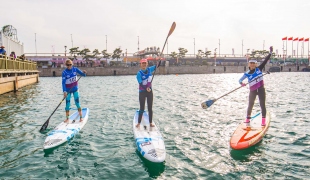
x,y
256,87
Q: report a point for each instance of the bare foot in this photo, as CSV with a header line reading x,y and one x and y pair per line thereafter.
x,y
81,120
152,125
138,125
66,121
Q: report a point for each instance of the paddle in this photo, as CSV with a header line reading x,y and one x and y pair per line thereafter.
x,y
209,103
162,50
44,126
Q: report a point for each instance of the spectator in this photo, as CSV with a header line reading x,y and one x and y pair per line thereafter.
x,y
22,57
12,55
2,50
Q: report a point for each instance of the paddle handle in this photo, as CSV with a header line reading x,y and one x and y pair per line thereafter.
x,y
162,50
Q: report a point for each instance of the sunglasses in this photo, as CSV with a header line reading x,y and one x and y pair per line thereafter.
x,y
68,64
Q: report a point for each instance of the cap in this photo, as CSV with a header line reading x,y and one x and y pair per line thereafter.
x,y
253,60
143,60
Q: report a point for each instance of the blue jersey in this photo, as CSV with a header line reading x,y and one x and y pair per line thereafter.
x,y
144,78
255,80
69,79
2,51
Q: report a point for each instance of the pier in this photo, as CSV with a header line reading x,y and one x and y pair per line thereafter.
x,y
16,73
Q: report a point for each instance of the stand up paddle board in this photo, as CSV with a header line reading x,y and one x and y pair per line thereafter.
x,y
66,131
148,139
245,137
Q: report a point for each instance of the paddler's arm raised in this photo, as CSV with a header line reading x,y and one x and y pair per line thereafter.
x,y
262,65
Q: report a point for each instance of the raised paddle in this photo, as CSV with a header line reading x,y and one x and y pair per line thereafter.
x,y
162,50
44,126
209,103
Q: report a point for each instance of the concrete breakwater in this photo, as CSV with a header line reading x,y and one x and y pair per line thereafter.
x,y
166,70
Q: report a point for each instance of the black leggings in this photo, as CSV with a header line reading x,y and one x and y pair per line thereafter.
x,y
262,98
149,96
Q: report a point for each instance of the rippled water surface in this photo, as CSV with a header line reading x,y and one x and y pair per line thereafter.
x,y
197,140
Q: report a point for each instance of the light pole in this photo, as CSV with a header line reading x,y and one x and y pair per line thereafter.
x,y
126,57
138,44
263,45
35,42
66,52
247,55
106,42
71,41
215,56
194,48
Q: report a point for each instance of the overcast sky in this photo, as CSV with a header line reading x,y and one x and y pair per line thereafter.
x,y
231,21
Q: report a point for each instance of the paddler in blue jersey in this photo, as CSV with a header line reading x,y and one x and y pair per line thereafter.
x,y
144,78
256,87
70,86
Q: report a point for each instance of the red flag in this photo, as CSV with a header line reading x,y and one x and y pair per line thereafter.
x,y
307,39
285,38
296,39
301,39
290,39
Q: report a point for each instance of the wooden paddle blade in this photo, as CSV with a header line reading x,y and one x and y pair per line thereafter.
x,y
172,28
44,126
207,104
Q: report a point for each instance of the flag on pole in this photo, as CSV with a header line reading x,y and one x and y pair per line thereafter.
x,y
307,39
296,39
290,39
285,38
301,39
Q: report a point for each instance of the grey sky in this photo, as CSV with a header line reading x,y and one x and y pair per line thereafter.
x,y
124,20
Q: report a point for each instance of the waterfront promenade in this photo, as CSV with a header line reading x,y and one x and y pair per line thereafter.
x,y
16,73
166,70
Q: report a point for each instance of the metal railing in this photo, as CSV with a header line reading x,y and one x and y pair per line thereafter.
x,y
9,63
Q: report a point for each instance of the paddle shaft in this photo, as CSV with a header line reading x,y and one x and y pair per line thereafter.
x,y
46,122
239,87
162,50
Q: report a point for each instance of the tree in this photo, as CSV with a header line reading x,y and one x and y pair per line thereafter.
x,y
105,54
207,53
173,55
85,55
259,54
182,52
117,53
96,53
199,54
74,51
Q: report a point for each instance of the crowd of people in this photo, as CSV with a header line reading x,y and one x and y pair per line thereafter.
x,y
12,54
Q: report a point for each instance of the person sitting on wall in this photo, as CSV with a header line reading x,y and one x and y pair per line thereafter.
x,y
22,57
2,50
12,55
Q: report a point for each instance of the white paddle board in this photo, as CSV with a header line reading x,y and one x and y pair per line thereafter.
x,y
149,140
66,131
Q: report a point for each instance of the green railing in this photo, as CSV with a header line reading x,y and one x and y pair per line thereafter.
x,y
8,63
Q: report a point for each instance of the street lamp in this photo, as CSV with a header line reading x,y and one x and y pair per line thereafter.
x,y
138,43
106,42
215,56
65,52
71,41
247,55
